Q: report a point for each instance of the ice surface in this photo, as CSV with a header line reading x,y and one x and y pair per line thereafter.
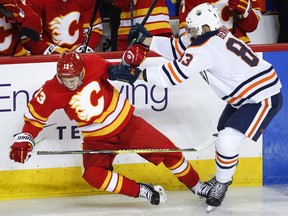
x,y
239,201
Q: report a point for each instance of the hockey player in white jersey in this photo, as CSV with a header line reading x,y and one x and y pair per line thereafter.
x,y
248,84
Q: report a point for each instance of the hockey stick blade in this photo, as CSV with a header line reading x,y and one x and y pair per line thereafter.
x,y
206,144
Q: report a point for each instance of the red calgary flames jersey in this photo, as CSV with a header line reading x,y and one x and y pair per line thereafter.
x,y
10,31
65,24
157,23
8,36
98,108
243,26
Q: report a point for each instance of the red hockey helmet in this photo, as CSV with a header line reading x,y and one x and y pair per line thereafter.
x,y
69,65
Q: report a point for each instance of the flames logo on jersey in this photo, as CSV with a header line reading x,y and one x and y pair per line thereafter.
x,y
62,27
83,102
5,38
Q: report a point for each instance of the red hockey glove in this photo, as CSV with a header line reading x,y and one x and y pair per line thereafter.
x,y
243,7
23,144
134,55
11,11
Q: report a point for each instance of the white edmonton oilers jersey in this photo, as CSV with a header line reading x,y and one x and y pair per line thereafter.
x,y
231,68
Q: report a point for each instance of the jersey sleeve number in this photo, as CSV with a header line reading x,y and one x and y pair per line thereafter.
x,y
40,96
241,50
186,59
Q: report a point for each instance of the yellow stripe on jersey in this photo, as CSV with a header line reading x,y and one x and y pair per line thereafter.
x,y
149,26
143,12
106,129
119,184
98,21
177,164
107,180
184,172
36,115
35,123
110,109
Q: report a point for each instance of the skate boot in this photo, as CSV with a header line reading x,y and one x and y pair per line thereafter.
x,y
216,195
155,194
201,189
213,182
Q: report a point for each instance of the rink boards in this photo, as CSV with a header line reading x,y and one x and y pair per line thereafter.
x,y
184,113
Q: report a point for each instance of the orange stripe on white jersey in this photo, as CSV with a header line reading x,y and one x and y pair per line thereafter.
x,y
252,86
176,46
227,162
260,116
173,72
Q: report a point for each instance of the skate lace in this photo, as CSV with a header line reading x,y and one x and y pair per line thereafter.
x,y
204,190
219,190
211,182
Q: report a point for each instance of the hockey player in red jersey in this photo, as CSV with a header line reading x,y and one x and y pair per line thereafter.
x,y
65,24
106,120
248,84
248,14
157,23
16,20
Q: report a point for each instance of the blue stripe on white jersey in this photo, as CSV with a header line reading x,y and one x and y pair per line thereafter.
x,y
168,75
173,49
256,92
175,63
252,86
173,72
182,45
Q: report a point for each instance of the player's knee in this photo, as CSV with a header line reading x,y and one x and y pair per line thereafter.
x,y
171,159
229,141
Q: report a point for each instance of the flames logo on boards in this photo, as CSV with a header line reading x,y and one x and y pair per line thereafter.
x,y
6,40
81,102
60,27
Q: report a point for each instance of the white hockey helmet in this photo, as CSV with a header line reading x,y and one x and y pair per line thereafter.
x,y
203,14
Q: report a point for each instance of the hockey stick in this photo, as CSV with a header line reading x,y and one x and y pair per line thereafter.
x,y
234,22
131,13
149,12
89,31
145,20
206,144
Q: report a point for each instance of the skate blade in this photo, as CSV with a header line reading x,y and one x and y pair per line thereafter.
x,y
211,208
161,191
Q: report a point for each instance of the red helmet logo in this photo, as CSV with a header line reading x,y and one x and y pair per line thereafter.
x,y
69,65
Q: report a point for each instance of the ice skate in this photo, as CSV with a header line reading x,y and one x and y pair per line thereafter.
x,y
201,189
216,195
155,194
